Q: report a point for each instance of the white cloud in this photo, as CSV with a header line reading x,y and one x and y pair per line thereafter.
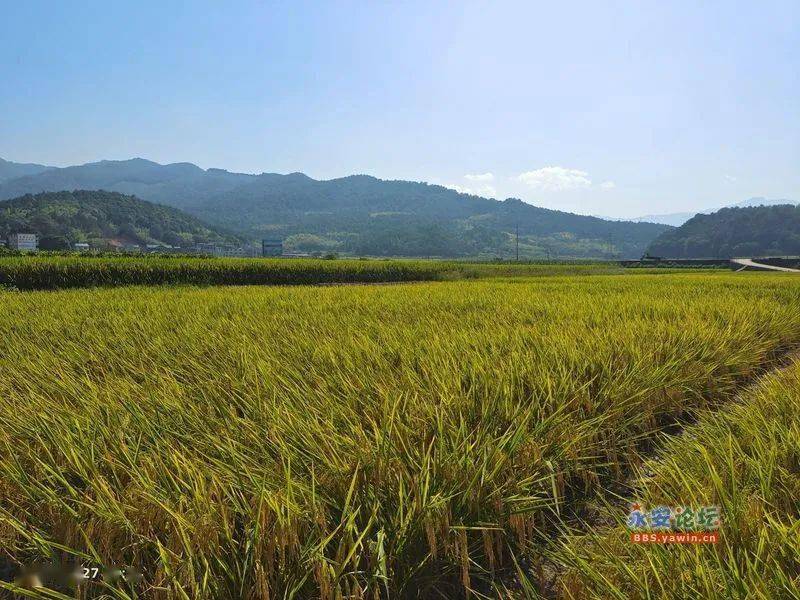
x,y
608,185
556,179
458,188
480,177
487,191
731,179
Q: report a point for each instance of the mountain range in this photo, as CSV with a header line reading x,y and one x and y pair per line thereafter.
x,y
11,170
358,214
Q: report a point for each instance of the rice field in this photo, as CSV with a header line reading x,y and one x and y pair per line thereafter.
x,y
414,441
47,272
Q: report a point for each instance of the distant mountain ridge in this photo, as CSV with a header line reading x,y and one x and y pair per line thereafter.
x,y
64,218
734,232
358,214
176,184
11,170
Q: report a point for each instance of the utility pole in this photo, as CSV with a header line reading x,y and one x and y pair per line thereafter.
x,y
517,242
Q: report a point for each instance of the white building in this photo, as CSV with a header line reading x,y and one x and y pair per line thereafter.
x,y
23,241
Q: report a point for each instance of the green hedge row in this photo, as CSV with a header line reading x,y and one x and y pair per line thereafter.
x,y
29,273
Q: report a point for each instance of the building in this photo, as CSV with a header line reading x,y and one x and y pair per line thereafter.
x,y
271,247
81,246
227,250
27,242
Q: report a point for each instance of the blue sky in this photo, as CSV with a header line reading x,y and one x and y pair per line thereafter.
x,y
612,108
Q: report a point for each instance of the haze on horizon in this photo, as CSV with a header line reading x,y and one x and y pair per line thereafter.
x,y
618,109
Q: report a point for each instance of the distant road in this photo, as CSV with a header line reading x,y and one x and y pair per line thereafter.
x,y
749,262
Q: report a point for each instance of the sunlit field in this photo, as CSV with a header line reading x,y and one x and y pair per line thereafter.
x,y
420,440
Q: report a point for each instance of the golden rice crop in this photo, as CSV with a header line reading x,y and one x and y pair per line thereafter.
x,y
394,441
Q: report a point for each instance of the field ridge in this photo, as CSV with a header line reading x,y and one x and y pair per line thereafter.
x,y
616,496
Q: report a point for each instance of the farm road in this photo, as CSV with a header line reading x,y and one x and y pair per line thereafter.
x,y
748,262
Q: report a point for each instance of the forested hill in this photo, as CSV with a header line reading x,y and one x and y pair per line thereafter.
x,y
356,215
94,216
734,232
